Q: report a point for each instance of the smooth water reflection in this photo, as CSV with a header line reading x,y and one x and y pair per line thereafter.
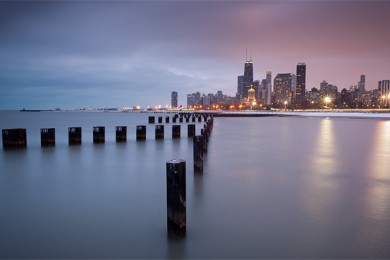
x,y
272,187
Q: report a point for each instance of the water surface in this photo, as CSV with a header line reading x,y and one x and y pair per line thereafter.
x,y
272,187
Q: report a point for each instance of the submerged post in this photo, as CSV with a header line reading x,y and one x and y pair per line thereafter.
x,y
141,132
98,134
191,130
176,198
151,120
74,134
121,134
48,137
198,154
159,132
14,138
175,131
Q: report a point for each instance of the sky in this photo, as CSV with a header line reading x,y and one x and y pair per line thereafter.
x,y
75,54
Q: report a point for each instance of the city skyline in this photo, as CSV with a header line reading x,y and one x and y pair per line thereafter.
x,y
100,54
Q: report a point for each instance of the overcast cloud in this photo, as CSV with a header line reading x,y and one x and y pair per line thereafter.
x,y
113,54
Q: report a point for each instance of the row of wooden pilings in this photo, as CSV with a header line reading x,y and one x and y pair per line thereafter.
x,y
17,137
175,169
176,183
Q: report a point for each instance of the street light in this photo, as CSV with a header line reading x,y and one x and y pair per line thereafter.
x,y
327,101
285,104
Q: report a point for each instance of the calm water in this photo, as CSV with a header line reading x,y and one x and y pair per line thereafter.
x,y
272,187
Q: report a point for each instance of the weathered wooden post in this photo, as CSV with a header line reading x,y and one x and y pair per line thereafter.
x,y
167,119
176,198
151,119
48,137
74,134
141,132
204,146
198,153
121,134
99,134
14,138
160,119
175,131
191,130
159,132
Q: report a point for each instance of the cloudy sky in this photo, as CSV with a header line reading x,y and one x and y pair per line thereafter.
x,y
71,54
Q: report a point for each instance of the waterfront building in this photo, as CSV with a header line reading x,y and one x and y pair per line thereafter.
x,y
384,92
174,99
251,96
282,89
248,76
268,87
240,85
328,90
190,100
362,83
300,89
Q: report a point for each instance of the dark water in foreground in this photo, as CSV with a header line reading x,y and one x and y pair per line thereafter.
x,y
272,187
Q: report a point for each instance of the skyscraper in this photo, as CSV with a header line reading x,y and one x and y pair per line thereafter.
x,y
362,83
269,87
300,90
174,99
384,92
248,76
240,85
282,87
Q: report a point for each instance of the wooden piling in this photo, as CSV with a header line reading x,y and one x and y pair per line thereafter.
x,y
159,132
48,137
175,131
198,154
74,134
14,138
191,130
121,134
176,198
141,132
98,134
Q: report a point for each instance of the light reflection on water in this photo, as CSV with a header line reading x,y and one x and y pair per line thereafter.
x,y
272,187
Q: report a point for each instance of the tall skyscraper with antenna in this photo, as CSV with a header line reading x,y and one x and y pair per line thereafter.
x,y
248,74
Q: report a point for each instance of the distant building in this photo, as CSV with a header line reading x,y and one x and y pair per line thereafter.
x,y
300,89
240,85
362,83
174,101
248,77
328,90
269,87
384,92
190,100
282,88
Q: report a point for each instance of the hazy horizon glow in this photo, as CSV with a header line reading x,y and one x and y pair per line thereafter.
x,y
113,54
